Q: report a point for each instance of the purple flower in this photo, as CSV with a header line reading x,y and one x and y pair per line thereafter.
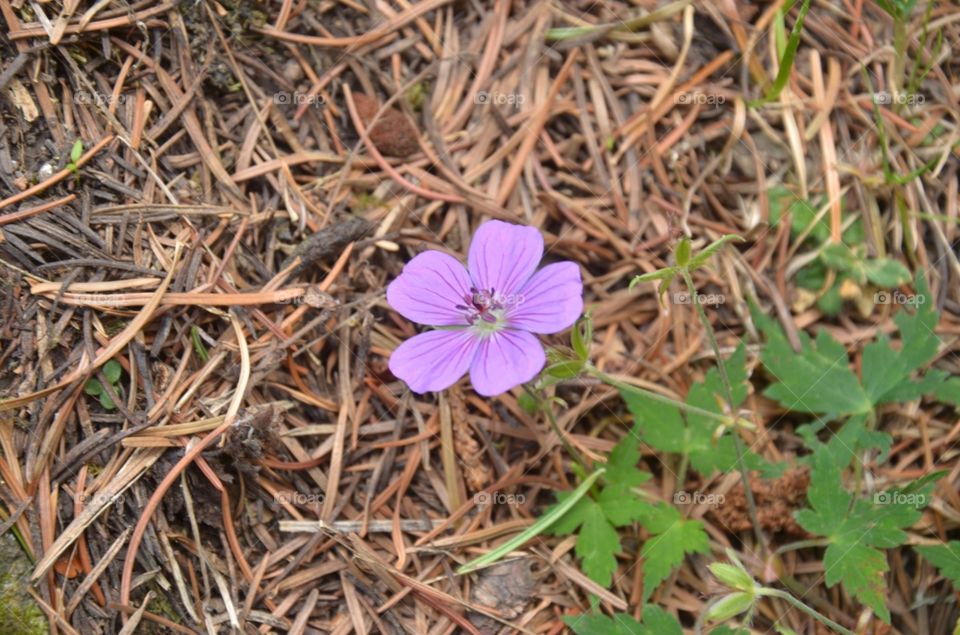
x,y
486,316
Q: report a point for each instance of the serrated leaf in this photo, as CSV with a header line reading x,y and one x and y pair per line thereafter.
x,y
595,519
622,462
857,532
656,621
674,538
887,372
666,428
946,558
948,391
817,380
861,569
886,272
597,545
112,370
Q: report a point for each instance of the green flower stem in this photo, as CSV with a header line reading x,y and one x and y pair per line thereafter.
x,y
802,544
544,406
728,395
823,619
607,379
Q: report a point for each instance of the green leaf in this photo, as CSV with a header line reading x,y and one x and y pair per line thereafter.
x,y
861,569
838,256
656,621
76,151
682,254
666,428
704,255
946,558
949,391
596,518
802,213
198,346
674,538
528,403
597,545
887,372
542,524
93,387
786,62
581,337
831,302
564,370
106,401
857,529
659,274
732,576
817,380
886,272
112,370
730,606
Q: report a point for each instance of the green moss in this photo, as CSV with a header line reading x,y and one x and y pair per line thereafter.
x,y
19,614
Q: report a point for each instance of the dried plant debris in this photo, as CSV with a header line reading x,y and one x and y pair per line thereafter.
x,y
393,134
777,501
200,430
505,589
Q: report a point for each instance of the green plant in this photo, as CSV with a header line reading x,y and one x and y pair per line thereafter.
x,y
655,621
75,153
787,51
93,387
835,271
818,380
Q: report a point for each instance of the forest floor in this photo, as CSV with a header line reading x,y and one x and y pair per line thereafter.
x,y
199,431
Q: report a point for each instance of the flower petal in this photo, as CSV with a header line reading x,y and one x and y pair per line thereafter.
x,y
429,288
551,301
506,359
434,360
504,256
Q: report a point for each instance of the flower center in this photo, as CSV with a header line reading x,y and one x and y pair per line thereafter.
x,y
484,309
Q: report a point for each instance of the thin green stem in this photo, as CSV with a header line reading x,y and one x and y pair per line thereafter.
x,y
728,396
823,619
607,379
802,544
544,406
